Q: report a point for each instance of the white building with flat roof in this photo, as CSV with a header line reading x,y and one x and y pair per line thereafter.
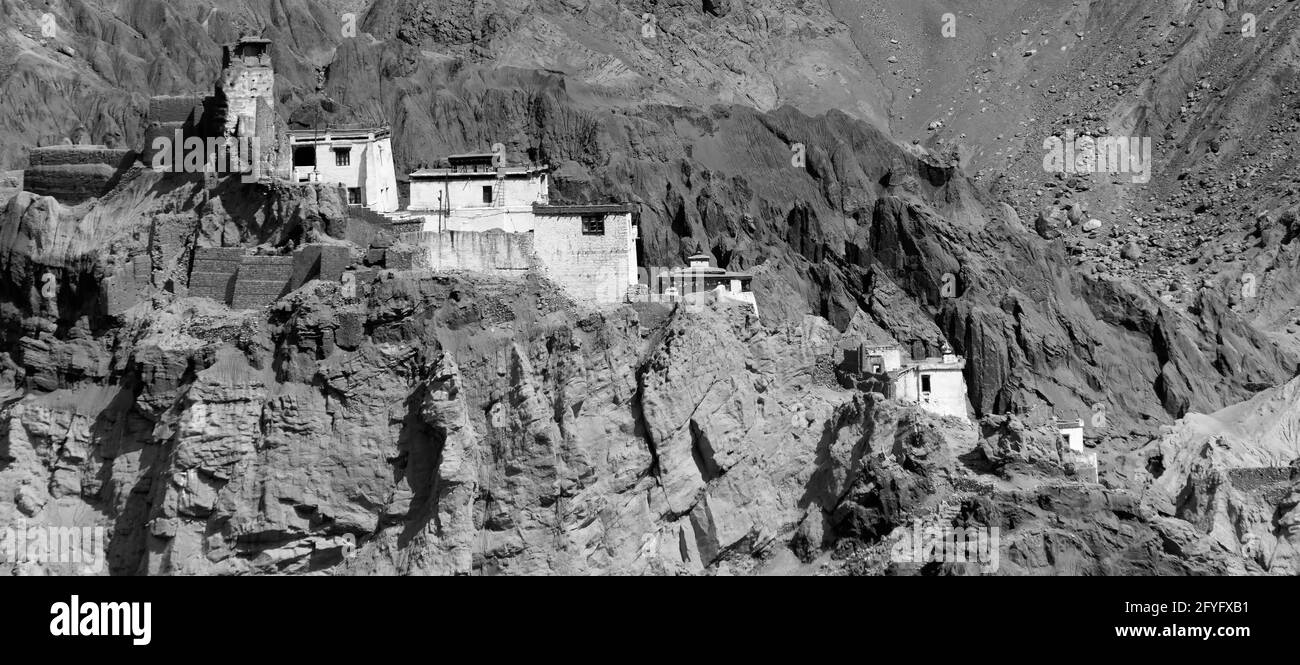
x,y
700,277
1072,432
503,214
882,358
1083,463
360,160
590,250
473,194
935,383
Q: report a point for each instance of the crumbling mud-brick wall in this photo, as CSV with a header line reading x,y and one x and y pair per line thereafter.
x,y
240,89
362,225
75,173
212,273
481,251
169,114
177,111
171,237
124,288
401,257
334,259
232,276
319,261
261,280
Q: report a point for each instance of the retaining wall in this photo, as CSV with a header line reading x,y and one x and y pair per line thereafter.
x,y
212,274
246,281
261,280
481,251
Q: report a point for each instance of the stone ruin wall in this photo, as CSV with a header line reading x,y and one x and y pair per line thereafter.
x,y
212,273
363,226
240,280
123,288
261,280
73,174
169,113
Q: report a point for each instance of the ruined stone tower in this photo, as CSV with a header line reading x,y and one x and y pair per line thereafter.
x,y
246,101
247,87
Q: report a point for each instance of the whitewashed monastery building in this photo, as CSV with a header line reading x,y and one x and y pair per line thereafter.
x,y
935,383
360,160
475,212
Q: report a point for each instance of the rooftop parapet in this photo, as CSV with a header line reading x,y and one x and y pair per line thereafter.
x,y
582,209
247,52
471,159
475,169
339,133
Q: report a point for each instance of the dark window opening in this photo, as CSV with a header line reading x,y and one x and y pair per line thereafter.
x,y
304,156
487,193
925,383
354,195
343,156
593,225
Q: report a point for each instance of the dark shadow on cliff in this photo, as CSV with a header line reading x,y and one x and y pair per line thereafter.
x,y
419,454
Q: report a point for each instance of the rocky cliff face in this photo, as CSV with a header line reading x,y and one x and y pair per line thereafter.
x,y
1233,475
455,424
469,425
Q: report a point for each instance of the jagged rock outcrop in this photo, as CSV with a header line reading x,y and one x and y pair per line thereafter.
x,y
1233,476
